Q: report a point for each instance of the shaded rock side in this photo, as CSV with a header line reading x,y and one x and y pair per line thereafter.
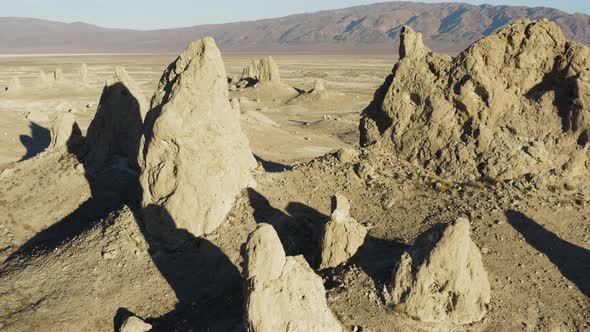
x,y
442,277
514,103
291,298
342,236
65,131
195,158
117,127
263,70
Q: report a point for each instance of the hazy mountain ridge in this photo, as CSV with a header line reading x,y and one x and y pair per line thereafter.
x,y
447,27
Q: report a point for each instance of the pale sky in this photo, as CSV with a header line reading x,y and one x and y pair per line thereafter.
x,y
153,14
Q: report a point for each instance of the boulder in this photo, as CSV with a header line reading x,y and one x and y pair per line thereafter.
x,y
116,129
346,155
342,236
195,157
282,293
263,70
135,324
441,278
65,131
514,103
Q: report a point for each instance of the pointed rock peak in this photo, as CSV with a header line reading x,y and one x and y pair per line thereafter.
x,y
446,259
340,208
265,256
410,42
202,49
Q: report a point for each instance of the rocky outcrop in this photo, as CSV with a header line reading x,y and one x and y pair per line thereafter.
x,y
442,278
263,70
135,324
318,87
195,159
83,74
58,75
342,236
282,293
513,104
116,129
65,131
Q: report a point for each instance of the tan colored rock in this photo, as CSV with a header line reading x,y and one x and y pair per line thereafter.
x,y
43,80
318,87
65,130
292,299
511,104
442,277
195,158
83,74
235,105
265,256
347,155
135,324
117,127
343,235
263,70
58,75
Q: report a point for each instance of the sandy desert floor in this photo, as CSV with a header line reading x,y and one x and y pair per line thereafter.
x,y
60,275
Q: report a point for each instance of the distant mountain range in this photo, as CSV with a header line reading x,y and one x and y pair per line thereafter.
x,y
446,27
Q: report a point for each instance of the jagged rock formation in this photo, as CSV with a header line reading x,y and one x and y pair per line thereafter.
x,y
442,278
513,104
83,74
282,293
263,70
116,129
65,130
195,158
343,235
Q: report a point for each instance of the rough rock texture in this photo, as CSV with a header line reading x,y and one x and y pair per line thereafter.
x,y
195,157
513,104
135,324
43,80
442,278
64,130
263,70
291,298
116,129
343,235
347,154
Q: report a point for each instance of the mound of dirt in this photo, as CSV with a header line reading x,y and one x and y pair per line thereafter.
x,y
442,278
513,104
116,129
195,158
282,293
342,236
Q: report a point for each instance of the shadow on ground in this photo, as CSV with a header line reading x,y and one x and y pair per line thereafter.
x,y
207,285
37,142
572,261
